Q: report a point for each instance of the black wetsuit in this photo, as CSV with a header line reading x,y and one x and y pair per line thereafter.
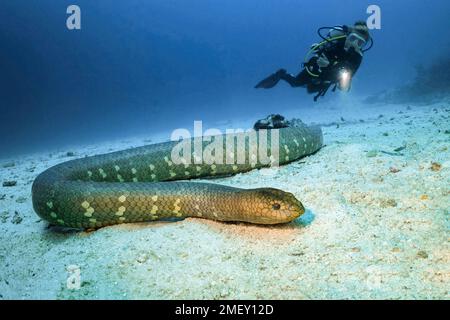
x,y
338,58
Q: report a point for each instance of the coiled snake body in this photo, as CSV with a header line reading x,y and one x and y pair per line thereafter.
x,y
139,184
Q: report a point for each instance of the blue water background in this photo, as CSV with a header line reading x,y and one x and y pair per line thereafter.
x,y
144,66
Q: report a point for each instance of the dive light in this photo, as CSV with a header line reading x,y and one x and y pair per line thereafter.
x,y
344,79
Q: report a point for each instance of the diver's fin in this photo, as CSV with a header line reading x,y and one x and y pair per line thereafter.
x,y
268,82
271,80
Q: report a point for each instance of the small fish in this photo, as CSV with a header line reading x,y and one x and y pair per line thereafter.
x,y
392,153
400,148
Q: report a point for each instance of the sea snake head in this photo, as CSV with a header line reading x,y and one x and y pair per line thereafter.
x,y
272,206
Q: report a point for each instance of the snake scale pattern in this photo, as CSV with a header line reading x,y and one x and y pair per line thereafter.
x,y
143,184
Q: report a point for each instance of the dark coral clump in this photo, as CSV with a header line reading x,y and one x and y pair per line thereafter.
x,y
431,83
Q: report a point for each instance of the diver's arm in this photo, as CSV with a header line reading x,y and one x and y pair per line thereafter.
x,y
348,61
330,49
346,71
331,53
353,61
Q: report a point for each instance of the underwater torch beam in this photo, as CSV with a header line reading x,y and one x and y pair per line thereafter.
x,y
344,79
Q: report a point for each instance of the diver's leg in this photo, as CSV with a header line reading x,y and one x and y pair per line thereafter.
x,y
298,81
271,80
303,78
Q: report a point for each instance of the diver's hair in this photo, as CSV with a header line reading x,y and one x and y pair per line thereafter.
x,y
361,23
361,28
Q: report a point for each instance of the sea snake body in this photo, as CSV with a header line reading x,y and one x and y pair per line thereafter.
x,y
138,184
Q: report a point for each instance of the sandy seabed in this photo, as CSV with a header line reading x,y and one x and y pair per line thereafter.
x,y
376,226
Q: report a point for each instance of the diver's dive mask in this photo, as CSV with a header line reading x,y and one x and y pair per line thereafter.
x,y
355,41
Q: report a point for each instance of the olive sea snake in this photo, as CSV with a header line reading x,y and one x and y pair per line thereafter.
x,y
139,184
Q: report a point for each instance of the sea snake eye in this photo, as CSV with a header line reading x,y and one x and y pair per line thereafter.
x,y
276,206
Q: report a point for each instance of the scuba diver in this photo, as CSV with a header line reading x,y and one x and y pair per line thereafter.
x,y
332,62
